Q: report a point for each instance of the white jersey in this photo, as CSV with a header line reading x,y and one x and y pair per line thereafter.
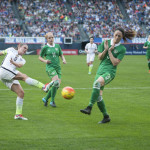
x,y
91,47
12,54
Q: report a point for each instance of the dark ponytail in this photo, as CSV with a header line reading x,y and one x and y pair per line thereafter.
x,y
129,34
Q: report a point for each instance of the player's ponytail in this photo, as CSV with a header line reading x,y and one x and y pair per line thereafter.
x,y
128,34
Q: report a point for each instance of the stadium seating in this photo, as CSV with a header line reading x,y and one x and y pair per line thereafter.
x,y
97,18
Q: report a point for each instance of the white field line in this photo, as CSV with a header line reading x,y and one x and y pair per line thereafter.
x,y
114,88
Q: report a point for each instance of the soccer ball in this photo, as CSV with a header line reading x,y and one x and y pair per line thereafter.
x,y
68,92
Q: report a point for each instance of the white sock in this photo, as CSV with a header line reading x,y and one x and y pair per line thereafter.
x,y
34,82
30,81
91,65
19,105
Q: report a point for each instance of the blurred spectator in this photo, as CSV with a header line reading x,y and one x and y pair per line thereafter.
x,y
48,16
9,25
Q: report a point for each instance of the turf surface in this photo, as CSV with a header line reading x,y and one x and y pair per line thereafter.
x,y
127,100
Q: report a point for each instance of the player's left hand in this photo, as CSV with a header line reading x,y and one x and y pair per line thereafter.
x,y
64,62
11,61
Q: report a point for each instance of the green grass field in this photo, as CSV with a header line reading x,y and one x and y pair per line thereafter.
x,y
127,100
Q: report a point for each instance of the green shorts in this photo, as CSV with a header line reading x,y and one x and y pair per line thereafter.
x,y
108,77
147,56
53,72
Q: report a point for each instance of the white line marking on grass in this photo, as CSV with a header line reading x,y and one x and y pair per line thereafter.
x,y
114,88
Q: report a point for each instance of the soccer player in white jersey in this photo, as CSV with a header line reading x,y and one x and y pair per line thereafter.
x,y
10,76
90,49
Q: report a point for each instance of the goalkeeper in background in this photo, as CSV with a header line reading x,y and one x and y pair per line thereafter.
x,y
90,49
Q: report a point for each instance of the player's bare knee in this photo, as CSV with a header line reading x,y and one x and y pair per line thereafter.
x,y
24,77
20,93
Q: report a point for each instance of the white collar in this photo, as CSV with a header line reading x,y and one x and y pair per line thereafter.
x,y
115,44
51,45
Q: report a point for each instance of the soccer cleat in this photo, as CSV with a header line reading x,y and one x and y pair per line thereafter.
x,y
20,117
53,104
45,101
105,119
47,86
87,110
89,72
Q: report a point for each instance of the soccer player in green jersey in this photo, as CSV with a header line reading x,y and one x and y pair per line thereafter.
x,y
147,47
111,52
50,56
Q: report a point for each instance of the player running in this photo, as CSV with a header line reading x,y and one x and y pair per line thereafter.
x,y
9,75
50,56
147,47
111,52
90,49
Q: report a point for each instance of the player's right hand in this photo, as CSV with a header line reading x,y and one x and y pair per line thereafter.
x,y
48,62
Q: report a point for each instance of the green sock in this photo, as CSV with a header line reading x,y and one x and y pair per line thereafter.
x,y
94,97
53,93
102,108
149,65
48,95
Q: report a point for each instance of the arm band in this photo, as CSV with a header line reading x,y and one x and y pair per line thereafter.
x,y
4,52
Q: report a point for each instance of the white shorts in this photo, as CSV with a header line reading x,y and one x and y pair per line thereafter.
x,y
6,76
90,57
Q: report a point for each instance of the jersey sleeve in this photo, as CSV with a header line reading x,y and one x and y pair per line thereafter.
x,y
8,50
60,51
43,52
95,47
86,46
121,54
101,47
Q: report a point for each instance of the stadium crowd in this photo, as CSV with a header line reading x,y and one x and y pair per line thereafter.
x,y
44,16
139,12
9,24
98,17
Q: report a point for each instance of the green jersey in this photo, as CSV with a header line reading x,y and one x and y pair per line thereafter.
x,y
147,44
52,53
106,64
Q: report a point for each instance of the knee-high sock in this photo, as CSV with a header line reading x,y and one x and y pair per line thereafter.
x,y
101,106
53,93
34,82
48,94
19,105
95,93
54,90
90,68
